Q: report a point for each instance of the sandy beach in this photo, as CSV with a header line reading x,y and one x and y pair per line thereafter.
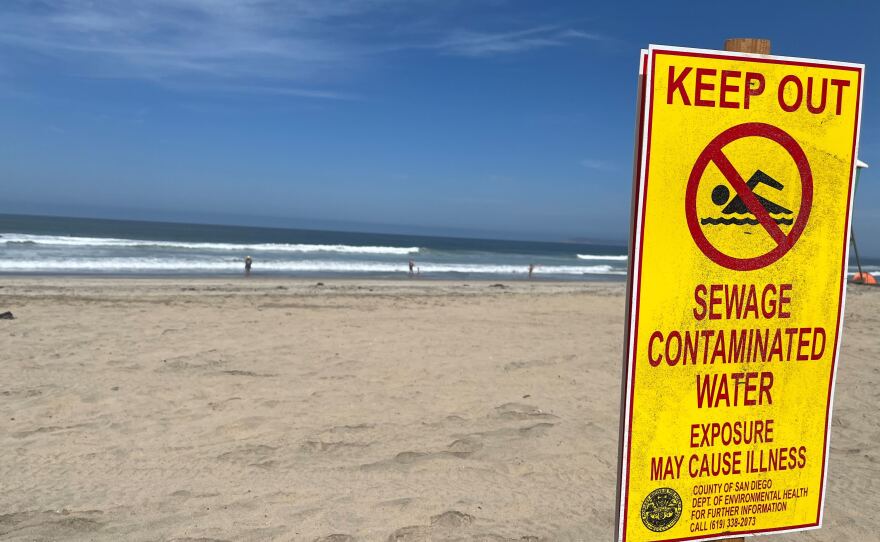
x,y
279,409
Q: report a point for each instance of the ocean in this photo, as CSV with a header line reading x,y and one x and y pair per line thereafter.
x,y
55,245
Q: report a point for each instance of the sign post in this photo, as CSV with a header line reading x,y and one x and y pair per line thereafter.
x,y
861,276
739,254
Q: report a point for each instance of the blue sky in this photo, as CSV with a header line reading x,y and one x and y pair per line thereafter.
x,y
507,117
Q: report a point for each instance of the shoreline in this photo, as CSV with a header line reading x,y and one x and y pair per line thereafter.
x,y
299,279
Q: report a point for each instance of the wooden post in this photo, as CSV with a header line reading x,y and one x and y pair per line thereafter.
x,y
761,47
748,45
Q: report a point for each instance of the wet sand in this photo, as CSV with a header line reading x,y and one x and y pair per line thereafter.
x,y
219,409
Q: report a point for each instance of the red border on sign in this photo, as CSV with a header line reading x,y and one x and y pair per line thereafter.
x,y
634,329
714,153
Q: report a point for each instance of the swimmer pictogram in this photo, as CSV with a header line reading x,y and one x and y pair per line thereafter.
x,y
736,206
754,209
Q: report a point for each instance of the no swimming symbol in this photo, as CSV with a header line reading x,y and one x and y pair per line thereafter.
x,y
746,200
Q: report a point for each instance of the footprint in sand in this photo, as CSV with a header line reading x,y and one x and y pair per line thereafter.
x,y
51,525
522,411
252,455
465,447
451,526
320,446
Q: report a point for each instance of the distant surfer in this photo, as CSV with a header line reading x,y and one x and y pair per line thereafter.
x,y
412,266
247,265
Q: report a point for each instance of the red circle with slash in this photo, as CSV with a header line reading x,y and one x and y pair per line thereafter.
x,y
714,152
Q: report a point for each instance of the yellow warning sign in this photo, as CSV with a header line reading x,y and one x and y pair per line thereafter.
x,y
737,287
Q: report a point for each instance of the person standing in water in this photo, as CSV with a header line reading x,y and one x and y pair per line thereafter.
x,y
247,265
412,266
531,270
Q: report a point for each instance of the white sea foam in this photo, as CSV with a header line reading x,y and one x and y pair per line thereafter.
x,y
160,265
601,257
873,269
57,240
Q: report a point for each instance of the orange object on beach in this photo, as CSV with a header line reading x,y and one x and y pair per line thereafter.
x,y
865,278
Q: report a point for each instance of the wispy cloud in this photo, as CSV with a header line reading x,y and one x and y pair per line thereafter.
x,y
598,165
287,91
479,44
303,48
190,43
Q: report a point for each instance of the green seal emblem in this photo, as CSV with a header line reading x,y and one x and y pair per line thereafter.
x,y
661,509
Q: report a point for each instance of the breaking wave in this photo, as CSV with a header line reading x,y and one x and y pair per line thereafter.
x,y
57,240
170,265
601,257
